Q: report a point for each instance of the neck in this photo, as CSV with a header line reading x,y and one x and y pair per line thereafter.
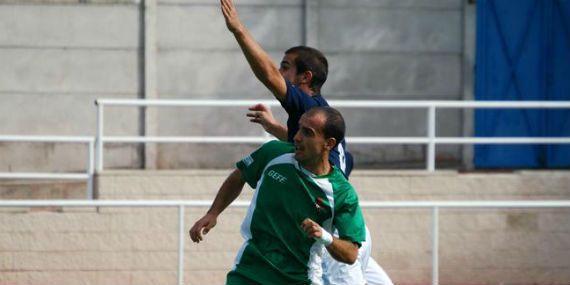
x,y
320,166
305,88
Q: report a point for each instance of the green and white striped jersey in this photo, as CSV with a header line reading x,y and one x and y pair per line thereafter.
x,y
276,249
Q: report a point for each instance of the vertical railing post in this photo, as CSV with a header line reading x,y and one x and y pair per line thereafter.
x,y
430,163
90,169
181,235
150,123
435,246
99,139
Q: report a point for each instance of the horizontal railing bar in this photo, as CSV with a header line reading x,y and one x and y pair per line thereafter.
x,y
210,139
32,175
226,139
467,204
452,104
387,140
503,140
184,103
352,140
345,103
241,203
113,203
51,138
239,139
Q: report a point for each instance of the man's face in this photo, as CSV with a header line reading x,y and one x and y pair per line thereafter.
x,y
288,69
310,142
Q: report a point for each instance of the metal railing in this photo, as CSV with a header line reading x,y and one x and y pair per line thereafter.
x,y
89,169
431,139
96,145
435,206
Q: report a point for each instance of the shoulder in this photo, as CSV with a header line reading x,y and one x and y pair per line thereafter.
x,y
340,183
299,101
276,147
251,166
343,191
294,92
321,101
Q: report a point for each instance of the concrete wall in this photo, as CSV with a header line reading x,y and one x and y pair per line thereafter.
x,y
59,55
57,58
397,50
138,246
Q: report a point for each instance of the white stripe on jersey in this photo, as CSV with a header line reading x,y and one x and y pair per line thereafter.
x,y
316,262
342,158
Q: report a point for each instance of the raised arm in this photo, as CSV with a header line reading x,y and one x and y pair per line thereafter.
x,y
229,191
342,250
259,61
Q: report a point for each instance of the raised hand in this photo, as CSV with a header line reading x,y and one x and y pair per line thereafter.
x,y
261,114
231,16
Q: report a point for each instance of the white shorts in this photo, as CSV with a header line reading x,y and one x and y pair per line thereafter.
x,y
365,271
375,275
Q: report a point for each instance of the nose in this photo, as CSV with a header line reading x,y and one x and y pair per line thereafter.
x,y
297,137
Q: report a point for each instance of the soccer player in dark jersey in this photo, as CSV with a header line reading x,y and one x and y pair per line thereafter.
x,y
296,84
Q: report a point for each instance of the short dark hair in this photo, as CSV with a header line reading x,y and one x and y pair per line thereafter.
x,y
334,122
311,59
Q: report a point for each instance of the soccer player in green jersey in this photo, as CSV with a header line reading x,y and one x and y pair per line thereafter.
x,y
299,200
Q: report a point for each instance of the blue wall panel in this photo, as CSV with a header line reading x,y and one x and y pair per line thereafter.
x,y
522,54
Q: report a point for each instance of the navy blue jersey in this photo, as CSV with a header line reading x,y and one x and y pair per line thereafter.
x,y
296,104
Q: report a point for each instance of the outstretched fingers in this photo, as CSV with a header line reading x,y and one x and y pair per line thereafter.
x,y
258,107
230,15
225,9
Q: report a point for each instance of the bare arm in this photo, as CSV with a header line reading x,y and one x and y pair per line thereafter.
x,y
341,250
259,61
262,115
229,191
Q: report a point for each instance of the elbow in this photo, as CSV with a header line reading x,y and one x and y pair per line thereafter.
x,y
345,251
351,259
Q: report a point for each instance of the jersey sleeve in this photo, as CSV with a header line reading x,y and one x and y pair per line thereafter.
x,y
348,219
295,101
252,166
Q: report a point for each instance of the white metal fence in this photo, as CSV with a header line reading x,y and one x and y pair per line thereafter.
x,y
89,169
431,139
435,206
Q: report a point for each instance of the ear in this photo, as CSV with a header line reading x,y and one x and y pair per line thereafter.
x,y
307,77
330,143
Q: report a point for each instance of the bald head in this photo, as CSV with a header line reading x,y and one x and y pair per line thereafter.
x,y
334,126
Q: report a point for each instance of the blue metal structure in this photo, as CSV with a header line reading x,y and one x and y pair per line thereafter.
x,y
523,53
